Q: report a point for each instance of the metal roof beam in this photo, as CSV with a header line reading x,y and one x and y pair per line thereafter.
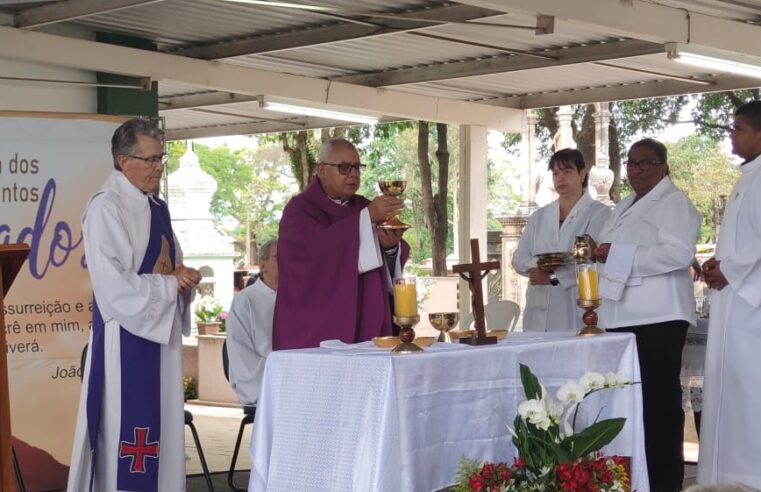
x,y
66,10
640,19
507,63
201,99
310,36
639,90
48,49
251,128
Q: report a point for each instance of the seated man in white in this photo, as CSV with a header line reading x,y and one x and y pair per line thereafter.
x,y
249,328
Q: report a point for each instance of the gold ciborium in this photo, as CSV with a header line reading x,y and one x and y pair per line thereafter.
x,y
443,322
586,279
392,187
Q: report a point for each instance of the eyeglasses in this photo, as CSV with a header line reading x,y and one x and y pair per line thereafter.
x,y
642,164
346,167
154,159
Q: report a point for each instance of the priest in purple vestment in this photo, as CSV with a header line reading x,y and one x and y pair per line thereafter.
x,y
336,267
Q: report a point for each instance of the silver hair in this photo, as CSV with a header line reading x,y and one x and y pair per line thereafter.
x,y
330,145
125,137
265,250
730,487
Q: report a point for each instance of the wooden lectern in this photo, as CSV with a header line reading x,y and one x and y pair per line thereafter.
x,y
12,256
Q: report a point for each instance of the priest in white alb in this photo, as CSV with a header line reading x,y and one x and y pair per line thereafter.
x,y
130,429
730,440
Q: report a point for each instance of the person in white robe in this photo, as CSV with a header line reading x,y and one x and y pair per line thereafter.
x,y
154,307
730,440
646,249
551,295
249,328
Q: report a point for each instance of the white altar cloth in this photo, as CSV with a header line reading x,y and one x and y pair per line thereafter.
x,y
355,418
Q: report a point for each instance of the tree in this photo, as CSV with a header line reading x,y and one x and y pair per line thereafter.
x,y
252,187
301,154
714,112
628,119
699,168
435,204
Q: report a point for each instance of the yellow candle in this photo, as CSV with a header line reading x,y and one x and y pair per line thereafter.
x,y
587,280
405,298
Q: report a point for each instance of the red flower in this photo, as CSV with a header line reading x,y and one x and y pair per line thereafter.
x,y
476,482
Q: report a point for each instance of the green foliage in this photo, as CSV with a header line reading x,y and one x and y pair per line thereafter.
x,y
714,112
650,116
530,382
502,198
700,169
207,310
189,388
252,185
467,468
393,152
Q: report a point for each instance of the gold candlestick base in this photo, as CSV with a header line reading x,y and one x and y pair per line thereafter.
x,y
590,317
406,335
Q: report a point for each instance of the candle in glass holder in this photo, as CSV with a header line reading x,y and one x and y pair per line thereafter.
x,y
586,278
405,297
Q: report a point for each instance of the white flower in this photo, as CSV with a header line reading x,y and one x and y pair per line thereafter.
x,y
592,381
535,412
571,392
554,408
613,380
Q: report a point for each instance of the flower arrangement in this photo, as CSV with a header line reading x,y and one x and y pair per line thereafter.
x,y
552,456
208,310
223,319
189,388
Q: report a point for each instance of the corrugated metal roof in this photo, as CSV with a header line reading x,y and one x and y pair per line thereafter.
x,y
728,9
186,23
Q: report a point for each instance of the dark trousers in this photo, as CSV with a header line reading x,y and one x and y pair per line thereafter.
x,y
659,346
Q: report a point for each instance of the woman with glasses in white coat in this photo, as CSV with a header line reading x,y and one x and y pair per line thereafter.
x,y
646,288
551,295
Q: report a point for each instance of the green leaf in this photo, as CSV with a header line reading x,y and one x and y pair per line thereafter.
x,y
594,437
530,382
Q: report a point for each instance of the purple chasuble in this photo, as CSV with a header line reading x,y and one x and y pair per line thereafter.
x,y
138,463
321,295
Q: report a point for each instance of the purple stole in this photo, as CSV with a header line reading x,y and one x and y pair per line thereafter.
x,y
138,453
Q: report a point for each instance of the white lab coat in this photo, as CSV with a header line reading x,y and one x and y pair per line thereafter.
x,y
116,232
664,226
553,308
730,440
249,339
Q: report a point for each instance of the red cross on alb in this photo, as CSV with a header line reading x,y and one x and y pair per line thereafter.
x,y
139,450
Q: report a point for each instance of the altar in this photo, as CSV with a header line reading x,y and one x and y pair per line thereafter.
x,y
354,417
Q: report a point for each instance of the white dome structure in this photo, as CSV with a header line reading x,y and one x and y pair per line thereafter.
x,y
204,246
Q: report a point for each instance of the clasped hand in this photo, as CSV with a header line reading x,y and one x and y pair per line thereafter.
x,y
383,207
187,277
712,274
537,276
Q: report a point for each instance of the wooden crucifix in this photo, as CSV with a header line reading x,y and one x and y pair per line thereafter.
x,y
474,273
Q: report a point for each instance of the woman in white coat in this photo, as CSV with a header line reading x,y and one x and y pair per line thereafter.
x,y
646,288
551,296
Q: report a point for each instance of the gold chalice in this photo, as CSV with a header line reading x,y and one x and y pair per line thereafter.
x,y
443,322
392,187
